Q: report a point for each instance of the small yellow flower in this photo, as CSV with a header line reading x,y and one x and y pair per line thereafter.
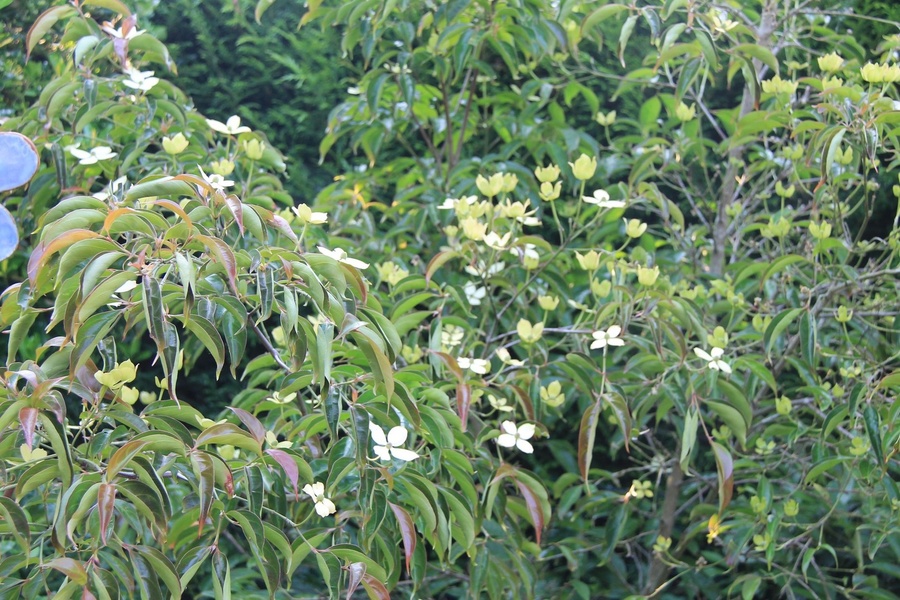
x,y
763,447
175,144
777,85
843,314
607,119
473,228
844,157
547,174
791,508
589,261
552,394
761,542
713,526
207,423
601,289
662,544
507,359
253,148
412,354
830,62
490,187
548,302
29,454
859,446
500,404
550,192
222,167
647,276
820,231
584,167
306,216
129,395
685,113
784,192
391,273
510,181
783,405
121,374
640,489
529,333
634,228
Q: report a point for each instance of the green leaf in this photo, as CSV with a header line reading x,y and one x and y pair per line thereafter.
x,y
586,435
822,466
778,325
600,15
202,464
16,523
69,567
873,429
209,336
42,25
228,434
689,437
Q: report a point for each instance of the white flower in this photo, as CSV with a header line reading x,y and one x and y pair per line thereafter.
x,y
610,337
232,126
140,80
449,204
516,436
216,181
341,256
481,270
713,359
92,157
497,242
451,336
601,199
132,32
316,491
386,447
474,293
476,365
112,188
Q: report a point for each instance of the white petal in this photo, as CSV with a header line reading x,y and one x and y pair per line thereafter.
x,y
403,454
724,366
508,427
598,344
616,342
355,263
526,431
308,489
233,122
217,125
717,352
382,452
525,446
703,354
397,436
614,331
325,507
506,440
377,434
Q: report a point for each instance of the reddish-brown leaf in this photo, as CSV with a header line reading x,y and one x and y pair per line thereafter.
x,y
407,531
533,503
725,473
356,571
106,500
28,418
288,464
250,422
224,256
237,209
375,588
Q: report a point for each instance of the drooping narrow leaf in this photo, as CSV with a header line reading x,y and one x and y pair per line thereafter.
x,y
725,473
106,499
206,479
586,435
407,531
533,504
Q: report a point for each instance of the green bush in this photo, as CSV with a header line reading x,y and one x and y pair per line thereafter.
x,y
510,353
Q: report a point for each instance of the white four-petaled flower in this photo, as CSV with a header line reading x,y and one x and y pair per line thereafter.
x,y
474,293
601,199
610,337
476,365
518,437
93,156
140,80
387,446
231,127
216,181
341,256
316,491
713,359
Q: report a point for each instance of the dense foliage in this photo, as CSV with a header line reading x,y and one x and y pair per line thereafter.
x,y
536,342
